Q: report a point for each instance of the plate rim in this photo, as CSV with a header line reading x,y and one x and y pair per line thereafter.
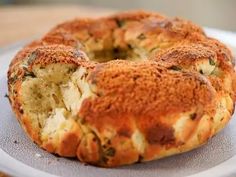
x,y
225,168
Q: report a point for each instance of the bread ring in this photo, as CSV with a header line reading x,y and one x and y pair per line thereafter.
x,y
128,88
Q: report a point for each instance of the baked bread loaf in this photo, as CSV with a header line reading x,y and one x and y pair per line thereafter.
x,y
127,88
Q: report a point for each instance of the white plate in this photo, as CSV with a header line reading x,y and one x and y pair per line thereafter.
x,y
20,157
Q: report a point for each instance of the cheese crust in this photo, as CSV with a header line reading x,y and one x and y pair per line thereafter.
x,y
128,88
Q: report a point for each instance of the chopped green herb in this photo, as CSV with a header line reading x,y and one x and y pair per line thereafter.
x,y
212,62
41,67
30,74
24,66
120,23
6,95
153,49
176,68
71,70
31,58
141,36
104,160
130,46
12,79
110,152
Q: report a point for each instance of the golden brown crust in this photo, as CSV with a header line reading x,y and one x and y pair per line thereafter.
x,y
143,89
178,94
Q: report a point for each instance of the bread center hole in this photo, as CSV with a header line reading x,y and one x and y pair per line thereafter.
x,y
114,54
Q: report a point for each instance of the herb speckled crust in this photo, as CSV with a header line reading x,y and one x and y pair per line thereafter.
x,y
127,88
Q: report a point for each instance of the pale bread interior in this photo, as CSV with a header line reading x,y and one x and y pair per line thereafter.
x,y
53,98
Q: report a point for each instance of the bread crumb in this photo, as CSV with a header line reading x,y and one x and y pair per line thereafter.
x,y
38,155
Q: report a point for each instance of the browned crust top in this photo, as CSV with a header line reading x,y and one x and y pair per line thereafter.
x,y
145,88
148,95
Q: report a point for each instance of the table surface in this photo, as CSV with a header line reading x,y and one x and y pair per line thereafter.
x,y
3,175
27,22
